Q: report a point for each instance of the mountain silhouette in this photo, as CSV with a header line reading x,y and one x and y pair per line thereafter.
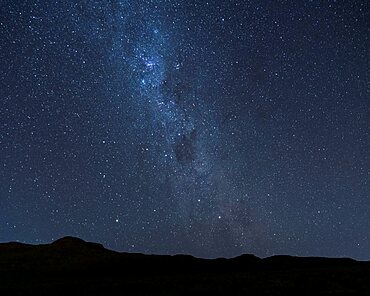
x,y
72,266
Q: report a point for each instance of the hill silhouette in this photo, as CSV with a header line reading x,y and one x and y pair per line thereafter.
x,y
72,266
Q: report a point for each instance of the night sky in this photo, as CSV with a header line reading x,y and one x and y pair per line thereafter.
x,y
207,128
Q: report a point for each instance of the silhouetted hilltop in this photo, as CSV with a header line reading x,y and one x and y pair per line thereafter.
x,y
69,241
74,243
72,266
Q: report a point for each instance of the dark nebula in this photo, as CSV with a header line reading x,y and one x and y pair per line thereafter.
x,y
185,148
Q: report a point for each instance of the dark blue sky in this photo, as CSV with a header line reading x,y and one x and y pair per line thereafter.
x,y
210,128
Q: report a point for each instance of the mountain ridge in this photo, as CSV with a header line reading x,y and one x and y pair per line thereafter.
x,y
72,265
71,241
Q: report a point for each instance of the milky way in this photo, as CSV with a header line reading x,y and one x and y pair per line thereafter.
x,y
183,138
209,128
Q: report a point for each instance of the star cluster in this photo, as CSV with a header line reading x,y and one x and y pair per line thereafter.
x,y
212,128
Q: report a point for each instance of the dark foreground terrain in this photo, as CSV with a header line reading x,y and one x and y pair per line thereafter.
x,y
71,266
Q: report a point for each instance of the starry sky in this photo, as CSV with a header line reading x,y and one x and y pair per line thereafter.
x,y
210,128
